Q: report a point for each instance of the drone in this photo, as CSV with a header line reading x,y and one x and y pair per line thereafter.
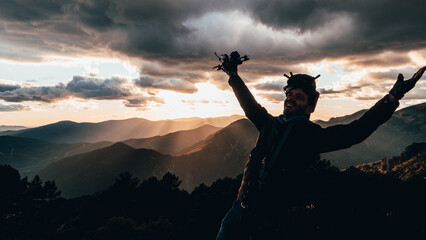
x,y
230,62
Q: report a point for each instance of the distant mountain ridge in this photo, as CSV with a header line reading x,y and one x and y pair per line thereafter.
x,y
90,172
115,130
86,173
173,143
28,155
31,155
409,164
225,152
339,120
406,126
11,128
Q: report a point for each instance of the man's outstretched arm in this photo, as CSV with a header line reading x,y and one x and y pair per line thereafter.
x,y
252,109
345,135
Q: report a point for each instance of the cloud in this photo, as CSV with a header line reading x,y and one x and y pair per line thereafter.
x,y
300,30
142,101
94,88
8,87
374,85
35,94
80,87
271,85
173,84
201,101
385,59
12,108
273,97
175,40
31,10
396,26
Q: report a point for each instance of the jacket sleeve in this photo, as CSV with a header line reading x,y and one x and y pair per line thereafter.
x,y
252,109
345,135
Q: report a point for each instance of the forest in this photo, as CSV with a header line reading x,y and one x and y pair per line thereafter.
x,y
334,204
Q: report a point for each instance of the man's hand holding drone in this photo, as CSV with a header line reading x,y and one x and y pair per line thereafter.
x,y
229,64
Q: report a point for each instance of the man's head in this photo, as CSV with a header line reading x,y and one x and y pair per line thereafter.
x,y
301,95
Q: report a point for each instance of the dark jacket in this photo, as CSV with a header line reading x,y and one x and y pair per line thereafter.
x,y
301,149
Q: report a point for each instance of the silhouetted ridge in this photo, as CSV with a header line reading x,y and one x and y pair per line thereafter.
x,y
87,173
405,127
29,155
223,154
115,130
411,163
173,143
119,147
343,119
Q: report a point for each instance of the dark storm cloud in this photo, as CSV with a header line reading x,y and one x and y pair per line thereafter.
x,y
273,67
386,59
172,84
372,89
31,10
273,97
80,87
271,85
87,87
166,33
175,69
390,75
12,108
158,28
35,94
378,25
8,87
150,28
142,101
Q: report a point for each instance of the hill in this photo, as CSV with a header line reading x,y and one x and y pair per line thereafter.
x,y
11,128
90,172
29,155
173,143
115,130
405,127
224,155
411,163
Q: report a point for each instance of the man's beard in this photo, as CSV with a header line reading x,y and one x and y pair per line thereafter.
x,y
298,111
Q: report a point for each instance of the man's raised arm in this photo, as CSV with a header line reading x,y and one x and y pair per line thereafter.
x,y
252,109
345,135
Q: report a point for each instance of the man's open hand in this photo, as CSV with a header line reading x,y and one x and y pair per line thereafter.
x,y
401,87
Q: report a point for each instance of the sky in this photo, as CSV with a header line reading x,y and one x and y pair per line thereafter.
x,y
97,60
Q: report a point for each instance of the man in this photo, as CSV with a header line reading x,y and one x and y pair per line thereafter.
x,y
288,146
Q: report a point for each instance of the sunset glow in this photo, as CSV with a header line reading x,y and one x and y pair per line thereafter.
x,y
88,62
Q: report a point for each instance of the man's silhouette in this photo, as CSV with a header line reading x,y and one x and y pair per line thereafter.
x,y
288,146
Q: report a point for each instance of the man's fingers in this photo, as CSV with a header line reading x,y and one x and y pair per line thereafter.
x,y
419,73
400,78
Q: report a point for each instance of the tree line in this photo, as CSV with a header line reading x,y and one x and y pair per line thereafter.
x,y
330,203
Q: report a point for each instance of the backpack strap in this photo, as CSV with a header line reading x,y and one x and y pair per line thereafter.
x,y
266,167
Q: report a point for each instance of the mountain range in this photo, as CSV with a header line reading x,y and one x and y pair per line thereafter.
x,y
409,164
31,155
199,155
11,128
406,126
115,130
222,154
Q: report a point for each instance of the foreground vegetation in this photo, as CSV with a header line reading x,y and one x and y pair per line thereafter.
x,y
333,204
